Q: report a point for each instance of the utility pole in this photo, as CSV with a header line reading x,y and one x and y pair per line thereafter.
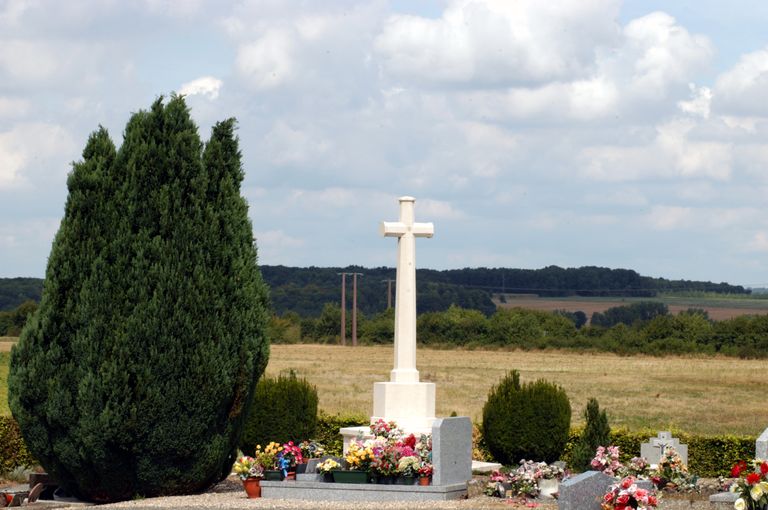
x,y
354,308
343,308
389,292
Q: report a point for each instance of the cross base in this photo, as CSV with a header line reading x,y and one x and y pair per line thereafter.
x,y
411,404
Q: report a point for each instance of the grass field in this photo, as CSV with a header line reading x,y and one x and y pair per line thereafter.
x,y
704,395
711,395
719,308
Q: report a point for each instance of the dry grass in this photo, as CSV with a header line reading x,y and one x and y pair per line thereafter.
x,y
710,395
718,309
6,342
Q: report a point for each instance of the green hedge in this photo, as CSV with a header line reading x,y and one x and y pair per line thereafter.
x,y
13,451
328,425
708,456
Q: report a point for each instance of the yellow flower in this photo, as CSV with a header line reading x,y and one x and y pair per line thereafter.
x,y
756,491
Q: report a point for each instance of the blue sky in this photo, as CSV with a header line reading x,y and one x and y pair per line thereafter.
x,y
579,132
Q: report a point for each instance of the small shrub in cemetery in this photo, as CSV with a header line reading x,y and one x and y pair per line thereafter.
x,y
526,421
596,433
284,409
133,375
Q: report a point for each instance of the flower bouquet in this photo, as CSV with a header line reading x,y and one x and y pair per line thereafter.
x,y
606,460
250,472
751,486
327,467
386,430
672,474
626,495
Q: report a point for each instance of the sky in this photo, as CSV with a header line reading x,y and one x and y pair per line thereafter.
x,y
579,132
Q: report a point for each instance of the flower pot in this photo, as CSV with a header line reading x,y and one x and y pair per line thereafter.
x,y
424,480
350,477
405,480
291,475
252,487
273,475
328,477
385,479
301,468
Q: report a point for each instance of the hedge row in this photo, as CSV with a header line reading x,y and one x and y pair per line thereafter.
x,y
708,456
13,451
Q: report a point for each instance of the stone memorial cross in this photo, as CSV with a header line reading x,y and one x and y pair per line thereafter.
x,y
406,231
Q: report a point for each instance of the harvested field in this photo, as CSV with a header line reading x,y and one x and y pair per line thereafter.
x,y
718,309
710,395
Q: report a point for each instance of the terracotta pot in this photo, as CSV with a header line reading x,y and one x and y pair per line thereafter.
x,y
424,480
291,475
252,487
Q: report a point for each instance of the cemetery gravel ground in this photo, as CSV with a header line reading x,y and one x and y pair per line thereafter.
x,y
230,495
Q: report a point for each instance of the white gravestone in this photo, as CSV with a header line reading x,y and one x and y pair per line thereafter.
x,y
404,398
655,447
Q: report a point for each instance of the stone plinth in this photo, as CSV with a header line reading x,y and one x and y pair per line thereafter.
x,y
321,491
411,405
723,500
761,446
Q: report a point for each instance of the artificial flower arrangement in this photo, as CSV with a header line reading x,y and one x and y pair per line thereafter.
x,y
425,470
751,486
524,481
290,455
327,466
627,495
311,449
247,467
672,474
387,430
409,465
606,460
360,455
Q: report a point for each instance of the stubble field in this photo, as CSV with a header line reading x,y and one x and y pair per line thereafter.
x,y
709,395
717,308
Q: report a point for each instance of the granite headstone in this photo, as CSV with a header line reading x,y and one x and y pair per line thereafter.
x,y
452,450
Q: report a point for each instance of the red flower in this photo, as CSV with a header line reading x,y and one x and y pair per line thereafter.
x,y
652,500
410,441
623,499
764,468
753,478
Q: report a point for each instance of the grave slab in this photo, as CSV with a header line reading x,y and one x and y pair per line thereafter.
x,y
320,491
722,500
584,491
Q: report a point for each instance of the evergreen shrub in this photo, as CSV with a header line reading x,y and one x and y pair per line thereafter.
x,y
526,421
134,375
596,433
284,409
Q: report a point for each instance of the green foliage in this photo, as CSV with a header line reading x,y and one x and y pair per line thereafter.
x,y
629,314
328,425
134,375
15,291
455,326
596,433
284,409
529,421
13,450
708,456
11,323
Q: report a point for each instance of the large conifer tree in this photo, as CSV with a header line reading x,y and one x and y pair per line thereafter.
x,y
134,375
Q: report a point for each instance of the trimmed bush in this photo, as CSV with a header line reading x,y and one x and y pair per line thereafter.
x,y
284,409
596,433
13,450
529,421
328,426
134,375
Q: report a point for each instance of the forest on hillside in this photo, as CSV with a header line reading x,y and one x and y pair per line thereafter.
x,y
305,290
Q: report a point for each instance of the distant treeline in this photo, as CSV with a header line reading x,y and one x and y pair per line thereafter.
x,y
644,327
306,290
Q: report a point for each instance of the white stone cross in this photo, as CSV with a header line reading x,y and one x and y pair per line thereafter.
x,y
406,230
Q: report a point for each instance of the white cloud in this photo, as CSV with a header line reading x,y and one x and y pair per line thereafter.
x,y
497,42
267,62
699,104
29,149
666,217
742,89
437,209
205,86
672,217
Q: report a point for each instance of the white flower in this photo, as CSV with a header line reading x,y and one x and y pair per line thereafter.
x,y
756,491
740,504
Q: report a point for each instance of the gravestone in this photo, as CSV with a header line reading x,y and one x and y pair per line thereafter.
x,y
452,450
761,446
584,491
654,448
